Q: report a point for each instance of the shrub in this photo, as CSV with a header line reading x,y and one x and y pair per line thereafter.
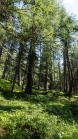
x,y
74,108
30,130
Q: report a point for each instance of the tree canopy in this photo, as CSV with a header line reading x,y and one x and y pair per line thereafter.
x,y
38,45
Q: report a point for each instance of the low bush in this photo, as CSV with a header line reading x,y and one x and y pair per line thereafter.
x,y
74,108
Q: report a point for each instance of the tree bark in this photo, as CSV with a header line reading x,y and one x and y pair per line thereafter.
x,y
70,72
1,49
28,89
46,71
18,68
14,80
60,84
65,73
40,69
20,55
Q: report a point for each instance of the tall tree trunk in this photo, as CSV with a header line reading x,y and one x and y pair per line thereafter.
x,y
31,57
51,82
60,84
6,66
46,72
70,72
46,79
20,55
40,69
14,80
6,71
1,49
28,89
65,73
51,75
18,67
19,75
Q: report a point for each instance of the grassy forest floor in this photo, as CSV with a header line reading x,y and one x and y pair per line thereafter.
x,y
43,115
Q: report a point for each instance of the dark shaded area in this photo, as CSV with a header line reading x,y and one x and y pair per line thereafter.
x,y
5,90
59,110
7,94
31,129
9,108
68,112
35,96
4,132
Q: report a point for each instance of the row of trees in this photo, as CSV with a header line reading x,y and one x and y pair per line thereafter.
x,y
38,45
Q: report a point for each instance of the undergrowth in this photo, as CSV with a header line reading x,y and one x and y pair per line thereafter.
x,y
43,115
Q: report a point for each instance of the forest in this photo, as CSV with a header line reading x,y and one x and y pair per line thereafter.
x,y
38,70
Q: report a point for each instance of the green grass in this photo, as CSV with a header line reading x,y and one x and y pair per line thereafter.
x,y
43,115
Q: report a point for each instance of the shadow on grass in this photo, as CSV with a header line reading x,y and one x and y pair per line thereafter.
x,y
7,94
9,108
35,97
68,112
31,130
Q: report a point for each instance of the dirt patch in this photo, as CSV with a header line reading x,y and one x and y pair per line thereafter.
x,y
4,132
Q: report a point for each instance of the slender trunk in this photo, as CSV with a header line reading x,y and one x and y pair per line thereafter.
x,y
51,82
6,67
6,71
60,87
14,80
70,72
65,74
19,75
20,55
51,78
46,79
54,70
40,69
46,74
1,50
18,68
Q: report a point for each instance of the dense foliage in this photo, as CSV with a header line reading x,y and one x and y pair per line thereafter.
x,y
38,45
39,116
